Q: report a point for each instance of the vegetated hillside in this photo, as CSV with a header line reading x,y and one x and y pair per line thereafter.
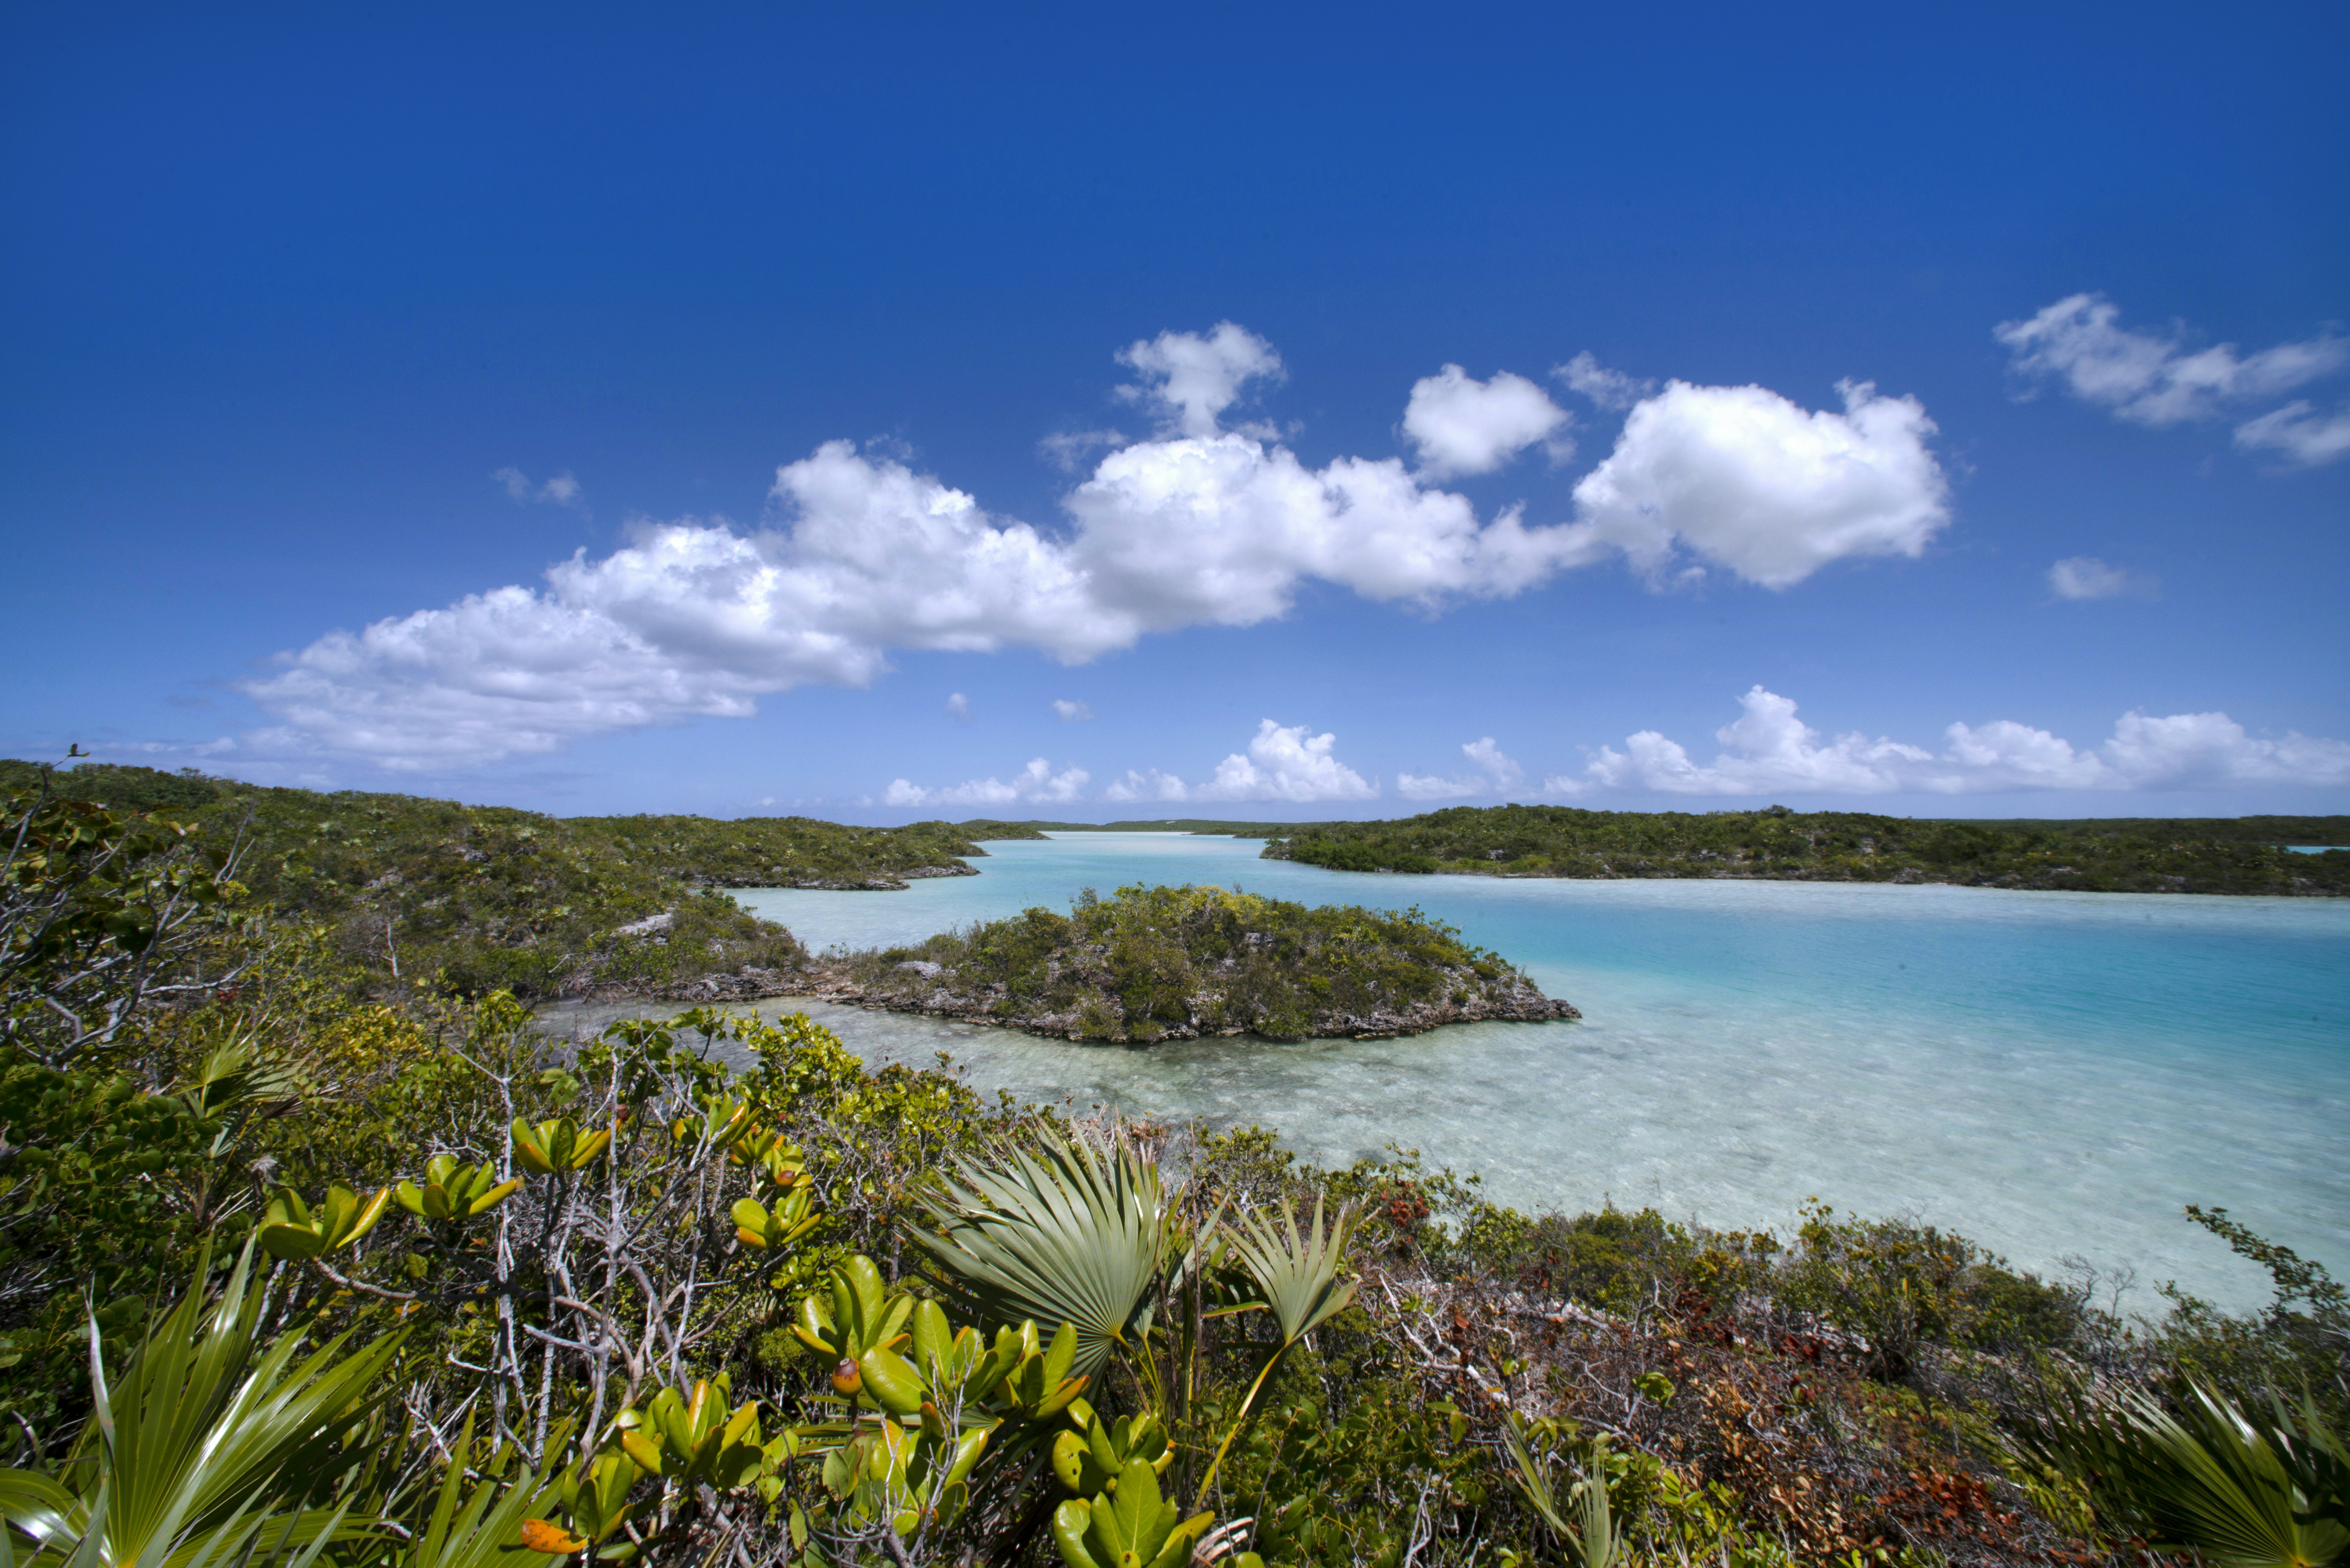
x,y
470,900
2131,856
1160,963
784,851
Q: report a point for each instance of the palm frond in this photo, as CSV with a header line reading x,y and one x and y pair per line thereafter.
x,y
481,1530
1068,1235
207,1446
1297,1271
2240,1493
1593,1540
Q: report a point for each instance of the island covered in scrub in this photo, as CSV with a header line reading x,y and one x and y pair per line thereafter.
x,y
2146,856
2112,855
1174,964
433,895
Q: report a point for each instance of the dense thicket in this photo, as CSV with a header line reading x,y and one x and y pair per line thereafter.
x,y
1155,963
2123,855
470,900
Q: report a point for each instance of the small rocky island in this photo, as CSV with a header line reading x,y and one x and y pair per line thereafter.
x,y
1175,963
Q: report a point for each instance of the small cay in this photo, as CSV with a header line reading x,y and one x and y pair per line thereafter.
x,y
1175,963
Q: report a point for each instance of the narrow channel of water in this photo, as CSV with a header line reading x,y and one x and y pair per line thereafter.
x,y
2053,1074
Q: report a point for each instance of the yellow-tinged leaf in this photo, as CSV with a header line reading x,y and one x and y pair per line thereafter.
x,y
494,1195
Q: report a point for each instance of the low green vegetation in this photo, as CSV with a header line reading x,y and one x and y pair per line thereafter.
x,y
470,900
294,1277
1156,963
2122,856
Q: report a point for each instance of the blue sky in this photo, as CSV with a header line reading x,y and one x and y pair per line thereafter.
x,y
790,343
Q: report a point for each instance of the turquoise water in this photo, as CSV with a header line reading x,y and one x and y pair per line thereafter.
x,y
2054,1074
2309,848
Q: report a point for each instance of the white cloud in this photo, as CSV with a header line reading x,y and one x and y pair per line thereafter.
x,y
1037,783
1191,380
1748,480
1505,772
1766,749
2299,431
1432,786
1607,389
2151,377
959,707
1769,750
1071,712
862,554
1145,785
1501,775
1288,764
2087,578
1465,426
563,490
1282,763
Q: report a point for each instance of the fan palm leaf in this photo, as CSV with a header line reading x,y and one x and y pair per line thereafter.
x,y
1068,1235
206,1442
2246,1494
1296,1272
2228,1492
1593,1540
1296,1269
480,1530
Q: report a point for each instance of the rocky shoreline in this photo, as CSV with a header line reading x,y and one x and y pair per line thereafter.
x,y
880,882
929,990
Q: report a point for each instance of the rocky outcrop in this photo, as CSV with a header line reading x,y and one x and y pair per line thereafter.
x,y
932,989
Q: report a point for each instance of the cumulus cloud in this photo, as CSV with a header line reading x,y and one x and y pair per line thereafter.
x,y
861,554
2087,578
1071,712
563,490
2153,377
1037,783
1769,750
959,707
2299,431
1189,380
1146,785
1461,425
1748,480
1607,389
1501,774
1288,764
1282,763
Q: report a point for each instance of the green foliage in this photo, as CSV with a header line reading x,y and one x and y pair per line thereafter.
x,y
2300,1342
101,913
461,899
1069,1237
781,851
1155,963
1132,1527
2133,855
2199,1473
206,1444
1903,1285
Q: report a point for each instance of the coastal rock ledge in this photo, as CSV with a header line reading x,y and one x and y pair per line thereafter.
x,y
1177,963
1510,998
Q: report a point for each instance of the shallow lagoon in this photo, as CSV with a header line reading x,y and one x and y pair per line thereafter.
x,y
2056,1073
